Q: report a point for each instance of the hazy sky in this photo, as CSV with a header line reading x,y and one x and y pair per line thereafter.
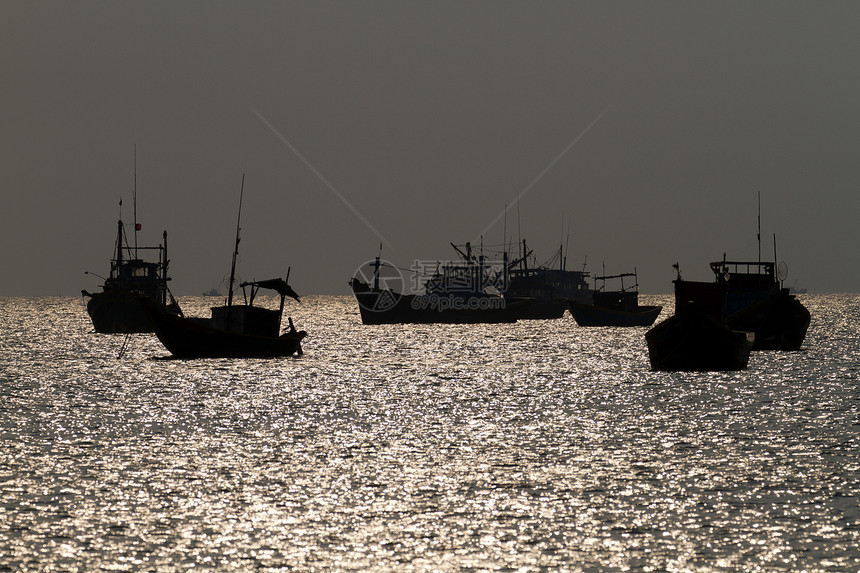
x,y
649,127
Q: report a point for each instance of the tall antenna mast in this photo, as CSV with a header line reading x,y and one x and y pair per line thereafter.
x,y
236,248
567,244
505,232
758,235
561,245
519,230
134,200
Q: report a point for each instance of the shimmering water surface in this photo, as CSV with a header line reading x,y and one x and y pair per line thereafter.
x,y
527,447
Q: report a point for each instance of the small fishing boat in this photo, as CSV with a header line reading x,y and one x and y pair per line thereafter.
x,y
694,341
234,330
616,307
116,310
695,338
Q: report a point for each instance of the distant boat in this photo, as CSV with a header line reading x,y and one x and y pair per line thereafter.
x,y
552,290
616,307
456,293
234,330
747,295
116,310
211,292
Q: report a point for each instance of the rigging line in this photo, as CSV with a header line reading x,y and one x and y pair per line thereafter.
x,y
124,348
546,169
320,177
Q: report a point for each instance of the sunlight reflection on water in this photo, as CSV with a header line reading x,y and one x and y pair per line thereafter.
x,y
536,446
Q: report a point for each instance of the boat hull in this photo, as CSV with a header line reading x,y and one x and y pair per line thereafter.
x,y
196,338
695,342
591,315
378,306
536,309
779,322
119,312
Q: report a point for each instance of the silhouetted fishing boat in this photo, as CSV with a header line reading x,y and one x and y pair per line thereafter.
x,y
456,293
116,308
234,330
747,295
550,289
616,307
695,339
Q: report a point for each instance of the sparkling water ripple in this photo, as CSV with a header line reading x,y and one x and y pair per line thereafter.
x,y
537,446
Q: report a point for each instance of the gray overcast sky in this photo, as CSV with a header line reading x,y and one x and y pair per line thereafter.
x,y
427,118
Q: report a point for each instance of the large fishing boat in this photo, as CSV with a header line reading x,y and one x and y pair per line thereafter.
x,y
551,288
614,307
467,291
234,330
747,295
116,308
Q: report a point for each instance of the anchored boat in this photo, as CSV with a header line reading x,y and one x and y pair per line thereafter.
x,y
551,289
234,330
116,309
747,295
695,338
614,307
462,292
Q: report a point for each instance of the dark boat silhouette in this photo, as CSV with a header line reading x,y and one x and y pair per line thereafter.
x,y
695,339
550,289
464,292
747,295
116,309
750,296
615,307
234,330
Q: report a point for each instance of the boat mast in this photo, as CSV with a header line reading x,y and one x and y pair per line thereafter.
x,y
758,235
283,298
561,246
235,251
162,295
505,251
134,201
775,263
376,266
118,248
525,256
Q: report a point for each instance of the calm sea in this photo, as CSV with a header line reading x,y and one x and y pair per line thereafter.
x,y
537,446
